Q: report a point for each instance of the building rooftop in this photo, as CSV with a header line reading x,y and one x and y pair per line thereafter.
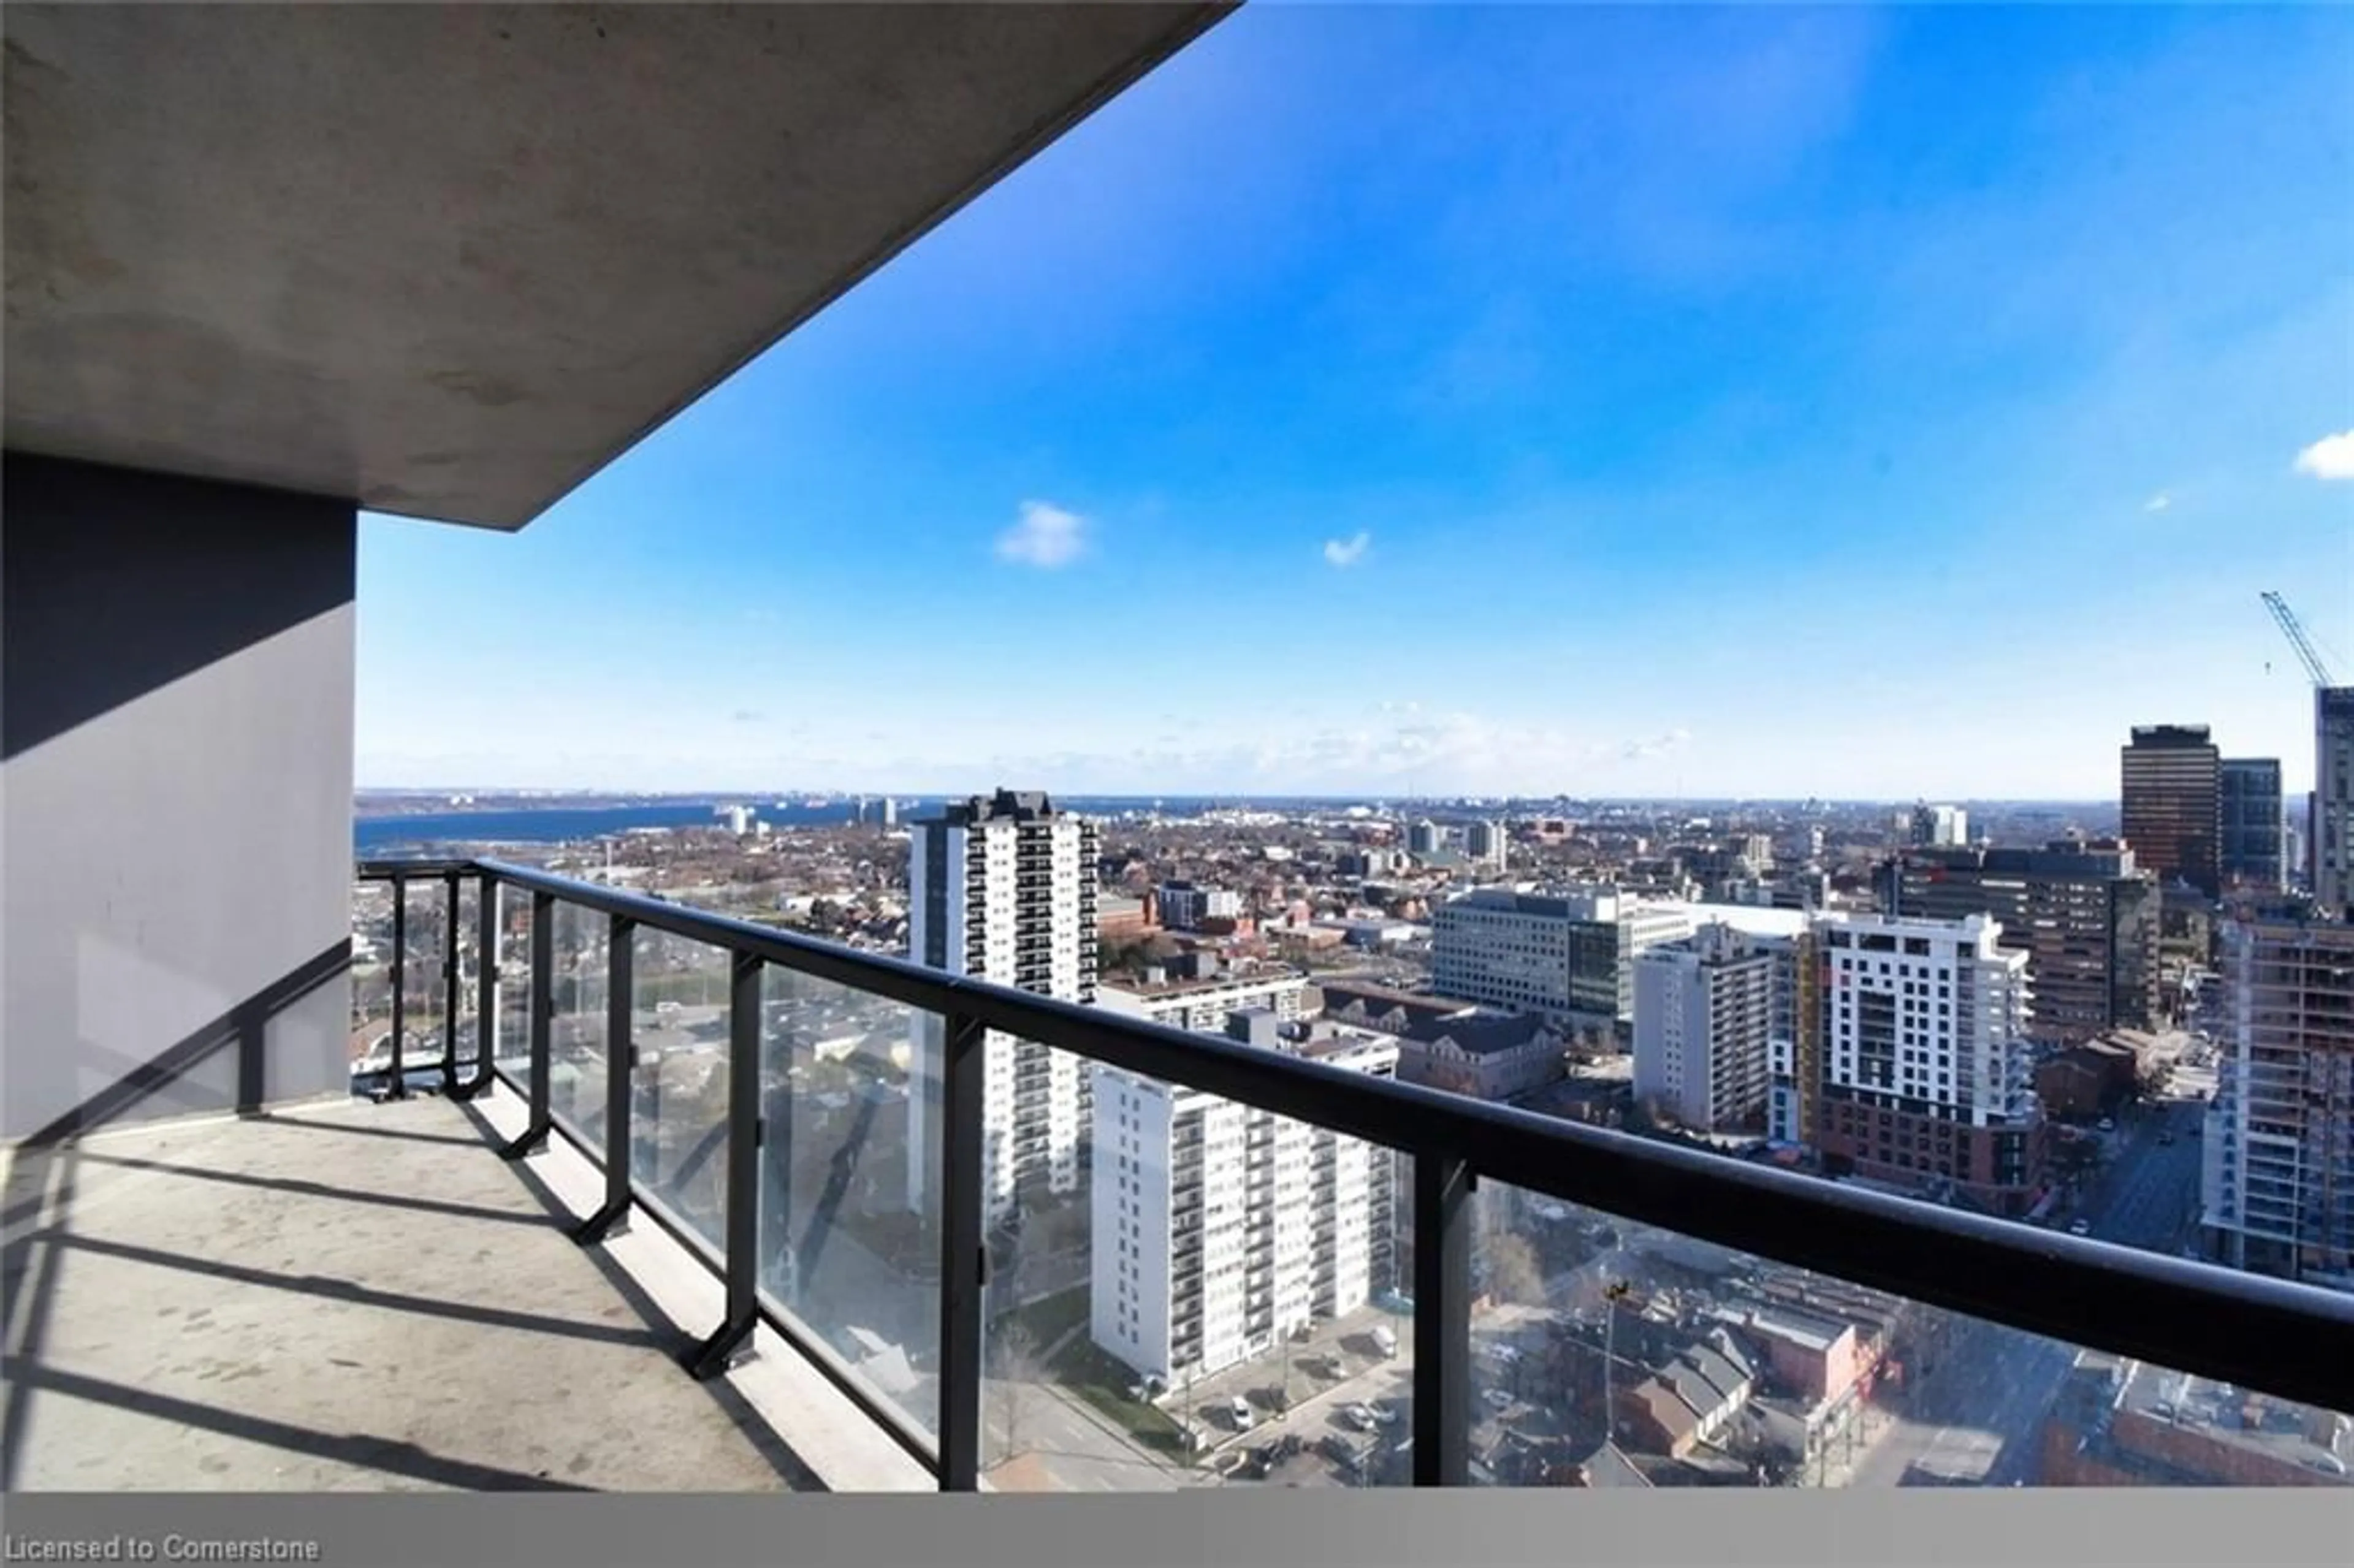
x,y
1158,989
1480,1033
2294,1433
1005,806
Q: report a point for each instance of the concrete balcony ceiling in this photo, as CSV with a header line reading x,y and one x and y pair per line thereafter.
x,y
449,261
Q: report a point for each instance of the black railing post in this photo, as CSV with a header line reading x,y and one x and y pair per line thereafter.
x,y
731,1343
621,1082
486,985
1442,1320
964,1257
533,1137
450,983
397,1086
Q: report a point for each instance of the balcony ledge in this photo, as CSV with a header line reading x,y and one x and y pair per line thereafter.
x,y
347,1296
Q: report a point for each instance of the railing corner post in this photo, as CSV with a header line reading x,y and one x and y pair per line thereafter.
x,y
1442,1320
730,1344
396,1084
486,986
963,1070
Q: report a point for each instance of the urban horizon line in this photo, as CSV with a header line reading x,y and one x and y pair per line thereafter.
x,y
699,796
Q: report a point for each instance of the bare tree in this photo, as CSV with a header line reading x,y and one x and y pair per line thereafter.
x,y
1514,1273
1018,1369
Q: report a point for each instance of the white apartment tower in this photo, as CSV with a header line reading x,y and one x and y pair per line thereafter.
x,y
1484,843
2277,1189
1704,1024
1220,1227
1926,1073
1002,888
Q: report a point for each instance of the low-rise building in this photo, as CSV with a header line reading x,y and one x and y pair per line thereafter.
x,y
1567,954
1185,904
1486,1056
2124,1422
1206,1004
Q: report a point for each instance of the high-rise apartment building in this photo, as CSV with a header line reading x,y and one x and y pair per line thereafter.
x,y
1704,1016
2084,912
1220,1227
1004,888
2172,803
2279,1182
1565,955
1483,843
2330,830
1794,1048
1423,838
2249,855
1925,1071
1939,827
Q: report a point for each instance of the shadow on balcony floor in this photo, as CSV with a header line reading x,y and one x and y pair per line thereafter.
x,y
343,1297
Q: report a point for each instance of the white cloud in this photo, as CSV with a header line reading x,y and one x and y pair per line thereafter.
x,y
1347,552
1047,536
2158,502
1658,746
2331,457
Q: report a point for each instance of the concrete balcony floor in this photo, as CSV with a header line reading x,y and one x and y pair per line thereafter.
x,y
342,1297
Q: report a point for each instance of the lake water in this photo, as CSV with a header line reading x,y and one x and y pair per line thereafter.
x,y
565,824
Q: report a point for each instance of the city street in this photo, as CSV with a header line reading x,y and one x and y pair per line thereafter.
x,y
2148,1195
1064,1446
1978,1418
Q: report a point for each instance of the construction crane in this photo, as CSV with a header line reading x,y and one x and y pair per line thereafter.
x,y
2295,630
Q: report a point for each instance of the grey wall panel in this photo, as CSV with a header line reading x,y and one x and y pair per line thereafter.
x,y
175,834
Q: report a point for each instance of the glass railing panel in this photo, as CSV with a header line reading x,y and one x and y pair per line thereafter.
x,y
577,1054
1608,1353
372,978
849,1210
512,1049
469,995
678,1114
424,1002
1162,1314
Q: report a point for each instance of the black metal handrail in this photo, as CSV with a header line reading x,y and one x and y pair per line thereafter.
x,y
2263,1334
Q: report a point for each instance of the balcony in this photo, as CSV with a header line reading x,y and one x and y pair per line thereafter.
x,y
441,1253
286,1303
545,1252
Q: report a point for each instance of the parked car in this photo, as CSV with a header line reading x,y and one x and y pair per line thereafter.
x,y
1383,1411
1498,1399
2080,1227
1358,1416
1239,1409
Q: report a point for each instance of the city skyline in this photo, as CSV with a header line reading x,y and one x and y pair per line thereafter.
x,y
1311,423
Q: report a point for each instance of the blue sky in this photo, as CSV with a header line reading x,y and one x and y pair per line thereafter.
x,y
1761,401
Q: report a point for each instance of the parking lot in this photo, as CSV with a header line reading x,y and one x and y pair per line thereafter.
x,y
1322,1410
